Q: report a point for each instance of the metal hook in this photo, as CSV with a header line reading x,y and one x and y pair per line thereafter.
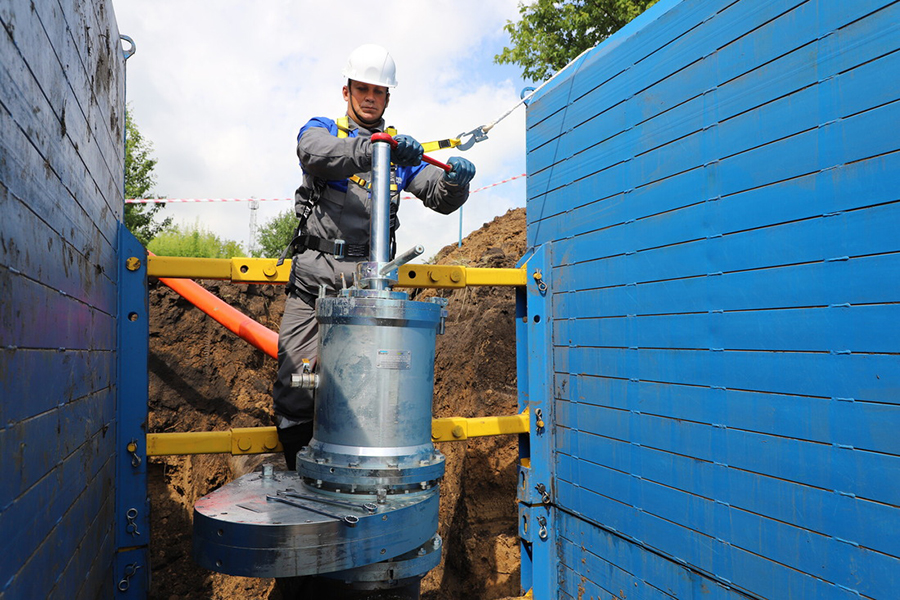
x,y
475,136
128,51
132,448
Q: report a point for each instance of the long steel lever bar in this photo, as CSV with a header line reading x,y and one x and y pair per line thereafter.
x,y
368,507
350,520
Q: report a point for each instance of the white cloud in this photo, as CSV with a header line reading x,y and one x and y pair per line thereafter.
x,y
222,93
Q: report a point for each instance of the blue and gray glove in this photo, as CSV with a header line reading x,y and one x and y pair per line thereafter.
x,y
462,173
407,152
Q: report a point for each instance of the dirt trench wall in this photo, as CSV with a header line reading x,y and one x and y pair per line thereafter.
x,y
203,378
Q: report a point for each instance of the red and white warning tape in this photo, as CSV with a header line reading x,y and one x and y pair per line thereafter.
x,y
174,200
498,183
171,200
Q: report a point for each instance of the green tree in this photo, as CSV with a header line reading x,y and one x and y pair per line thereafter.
x,y
193,241
276,234
139,180
551,33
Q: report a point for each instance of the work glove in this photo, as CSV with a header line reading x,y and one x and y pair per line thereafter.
x,y
462,172
407,152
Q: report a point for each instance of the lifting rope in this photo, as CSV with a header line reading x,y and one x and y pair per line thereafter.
x,y
479,134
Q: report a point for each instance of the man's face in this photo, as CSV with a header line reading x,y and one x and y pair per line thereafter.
x,y
366,102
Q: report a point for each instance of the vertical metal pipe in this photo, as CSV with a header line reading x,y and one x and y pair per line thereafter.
x,y
380,226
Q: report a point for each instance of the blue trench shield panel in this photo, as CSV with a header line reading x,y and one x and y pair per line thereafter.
x,y
714,193
61,181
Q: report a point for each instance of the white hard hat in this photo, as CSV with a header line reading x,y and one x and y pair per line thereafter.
x,y
370,63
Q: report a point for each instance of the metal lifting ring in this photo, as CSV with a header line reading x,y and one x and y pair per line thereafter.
x,y
130,571
128,52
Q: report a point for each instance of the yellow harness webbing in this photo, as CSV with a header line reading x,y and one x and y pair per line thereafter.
x,y
429,147
343,127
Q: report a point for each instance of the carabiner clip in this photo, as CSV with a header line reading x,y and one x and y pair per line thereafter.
x,y
475,136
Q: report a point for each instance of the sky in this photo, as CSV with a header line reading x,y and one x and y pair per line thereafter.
x,y
221,94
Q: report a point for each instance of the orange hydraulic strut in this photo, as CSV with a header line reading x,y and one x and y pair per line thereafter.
x,y
234,320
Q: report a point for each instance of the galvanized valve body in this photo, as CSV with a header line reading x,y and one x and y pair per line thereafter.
x,y
373,407
371,446
363,503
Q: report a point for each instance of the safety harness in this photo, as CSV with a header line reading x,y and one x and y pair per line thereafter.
x,y
339,248
343,131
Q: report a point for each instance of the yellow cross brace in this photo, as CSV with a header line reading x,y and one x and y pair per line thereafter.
x,y
453,429
238,440
263,270
259,440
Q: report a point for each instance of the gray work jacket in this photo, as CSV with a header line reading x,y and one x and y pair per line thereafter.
x,y
342,208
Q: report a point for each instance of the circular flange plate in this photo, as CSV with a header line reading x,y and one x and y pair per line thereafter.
x,y
238,530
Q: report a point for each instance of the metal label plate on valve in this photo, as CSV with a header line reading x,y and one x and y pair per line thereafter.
x,y
393,359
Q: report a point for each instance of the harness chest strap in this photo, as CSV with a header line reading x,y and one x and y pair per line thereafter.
x,y
339,248
343,127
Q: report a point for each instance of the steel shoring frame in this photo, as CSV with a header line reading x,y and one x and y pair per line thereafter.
x,y
132,518
257,440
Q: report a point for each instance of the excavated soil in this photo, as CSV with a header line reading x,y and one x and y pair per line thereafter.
x,y
203,378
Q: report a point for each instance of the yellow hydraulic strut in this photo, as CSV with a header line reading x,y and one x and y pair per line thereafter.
x,y
259,440
264,270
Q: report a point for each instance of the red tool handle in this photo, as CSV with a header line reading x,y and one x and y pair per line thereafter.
x,y
386,137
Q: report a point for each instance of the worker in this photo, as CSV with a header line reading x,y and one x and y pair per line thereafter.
x,y
334,205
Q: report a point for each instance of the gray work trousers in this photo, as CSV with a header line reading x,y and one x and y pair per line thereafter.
x,y
298,338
